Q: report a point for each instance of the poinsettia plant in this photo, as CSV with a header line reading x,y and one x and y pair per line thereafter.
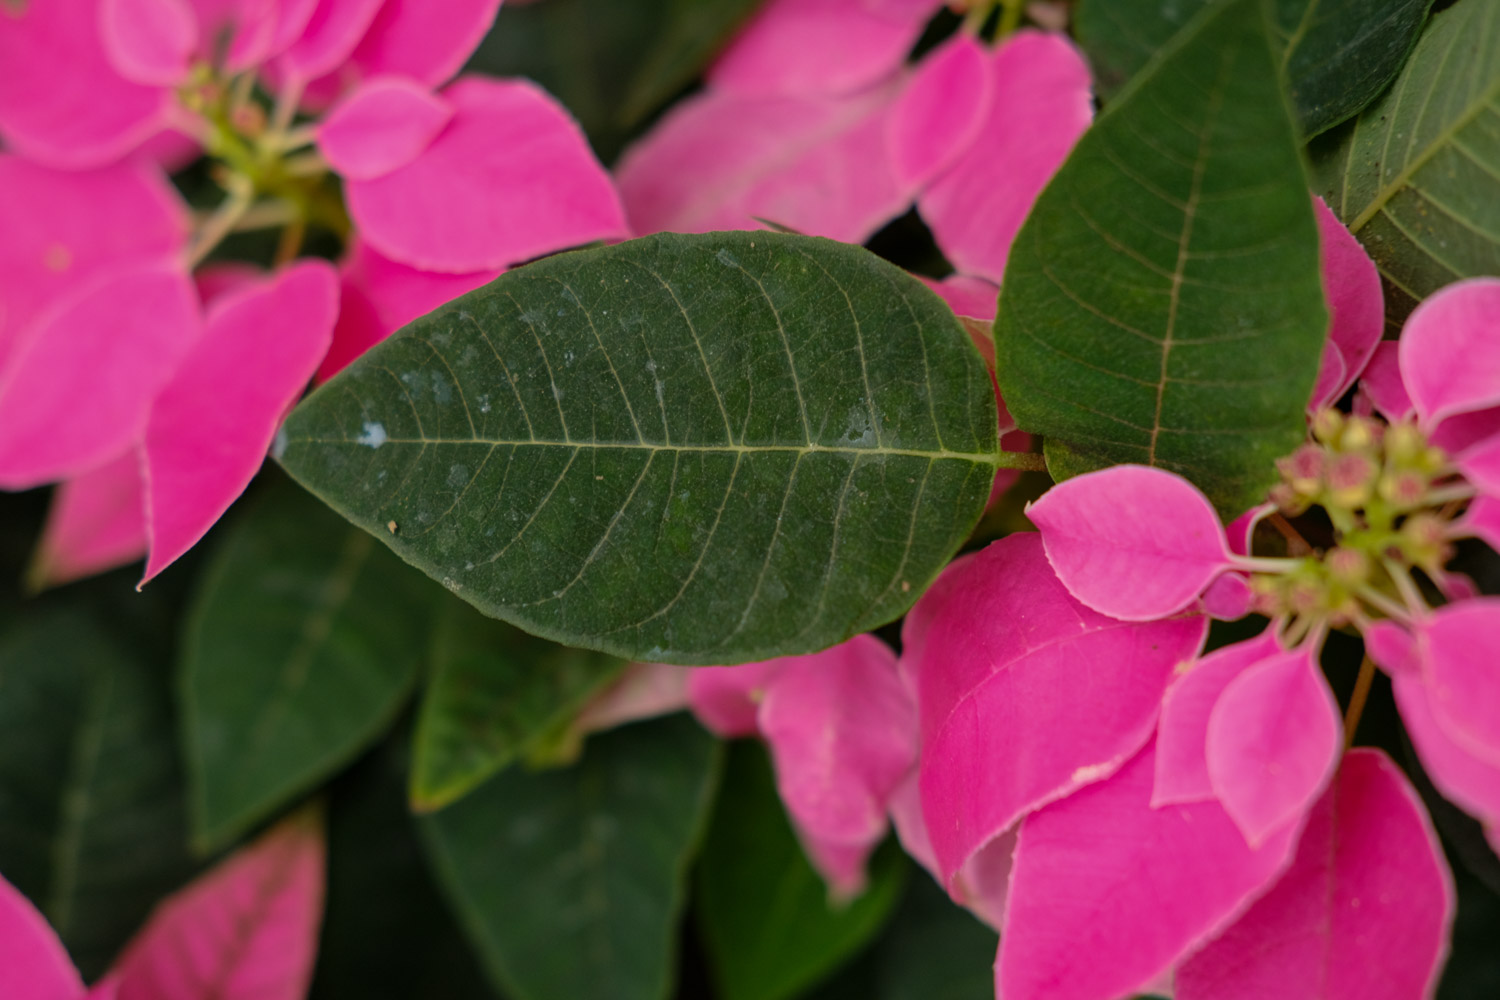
x,y
759,500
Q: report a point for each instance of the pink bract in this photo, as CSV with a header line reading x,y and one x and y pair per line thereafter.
x,y
819,47
149,42
1450,356
1042,103
1182,733
1471,783
210,428
1363,913
97,522
1273,742
426,41
1356,308
1131,542
727,699
1459,649
940,114
33,963
721,160
1381,382
1024,694
379,296
383,125
328,39
1108,894
510,178
114,347
247,930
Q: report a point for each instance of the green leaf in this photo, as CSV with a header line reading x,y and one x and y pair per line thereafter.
x,y
1417,176
687,449
92,821
495,693
766,918
301,647
935,950
611,62
1163,304
1337,54
571,882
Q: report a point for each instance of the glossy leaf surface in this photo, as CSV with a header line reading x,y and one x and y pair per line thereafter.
x,y
684,449
1337,54
1162,303
570,883
1417,176
303,643
92,824
767,921
495,693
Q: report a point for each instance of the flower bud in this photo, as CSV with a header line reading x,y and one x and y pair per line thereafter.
x,y
1303,469
1359,434
1405,444
1404,489
1327,424
1424,541
1349,567
1350,478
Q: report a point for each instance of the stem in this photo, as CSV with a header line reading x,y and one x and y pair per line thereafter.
x,y
1358,698
1384,604
271,214
1010,16
1296,544
1406,587
286,110
975,18
222,222
303,135
1447,494
1027,461
290,242
1264,564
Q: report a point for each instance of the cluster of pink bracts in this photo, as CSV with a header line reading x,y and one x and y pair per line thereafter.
x,y
1051,744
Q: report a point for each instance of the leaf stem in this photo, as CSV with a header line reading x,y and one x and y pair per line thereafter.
x,y
1026,461
1358,698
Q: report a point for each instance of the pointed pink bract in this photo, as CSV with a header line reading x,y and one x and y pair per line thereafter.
x,y
1363,913
1381,382
97,522
1482,521
1471,783
426,41
329,38
940,114
1480,465
510,178
1108,893
643,691
1132,542
727,699
1182,732
1274,737
1356,308
1450,356
1459,649
34,965
149,41
1042,103
1025,695
383,125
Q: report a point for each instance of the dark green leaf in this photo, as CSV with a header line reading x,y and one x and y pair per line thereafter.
x,y
303,643
386,931
1337,54
571,882
495,692
766,918
612,62
689,449
1162,303
934,950
1417,176
92,820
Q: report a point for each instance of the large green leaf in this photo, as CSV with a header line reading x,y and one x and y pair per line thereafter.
x,y
1417,176
689,449
303,643
1162,303
766,918
612,62
495,692
1337,54
92,821
571,882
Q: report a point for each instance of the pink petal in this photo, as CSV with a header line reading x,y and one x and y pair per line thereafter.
x,y
1471,783
1450,356
940,114
211,426
34,965
65,229
97,522
78,392
843,732
973,297
149,41
1482,521
1109,893
61,102
819,47
1393,648
1182,734
328,40
643,691
426,41
510,178
1481,466
727,699
723,160
1025,694
1363,913
385,124
1463,432
1381,382
292,20
1229,598
379,296
1131,542
246,930
1356,308
905,808
1241,531
1274,738
983,883
214,281
1043,103
1460,650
